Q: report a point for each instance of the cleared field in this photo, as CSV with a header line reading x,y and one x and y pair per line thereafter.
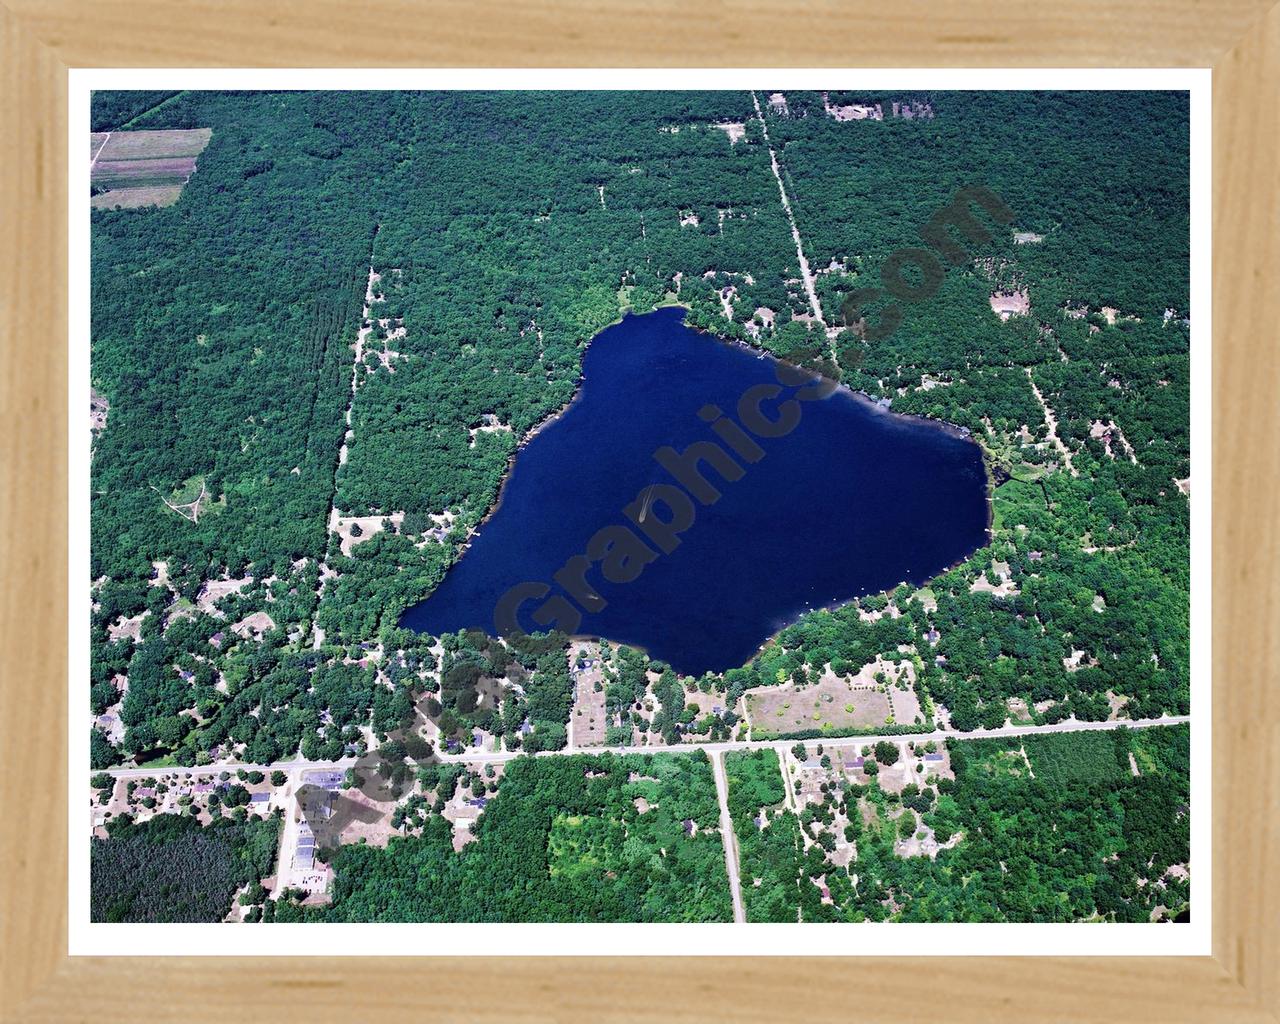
x,y
125,173
131,198
831,704
136,169
156,144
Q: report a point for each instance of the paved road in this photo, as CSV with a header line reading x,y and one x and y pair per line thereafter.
x,y
498,757
729,837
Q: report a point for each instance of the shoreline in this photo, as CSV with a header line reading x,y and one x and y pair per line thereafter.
x,y
868,402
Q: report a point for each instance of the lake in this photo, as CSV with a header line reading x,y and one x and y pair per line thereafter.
x,y
842,499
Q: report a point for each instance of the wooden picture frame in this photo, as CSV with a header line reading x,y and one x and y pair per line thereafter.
x,y
41,41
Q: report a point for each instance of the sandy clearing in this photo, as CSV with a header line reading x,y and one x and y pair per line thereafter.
x,y
853,111
1006,588
369,526
727,296
1014,303
489,424
734,129
130,628
1078,659
254,626
1001,571
214,591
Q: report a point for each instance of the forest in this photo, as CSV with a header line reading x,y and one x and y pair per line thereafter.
x,y
171,869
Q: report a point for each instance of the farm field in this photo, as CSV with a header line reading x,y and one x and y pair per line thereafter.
x,y
132,169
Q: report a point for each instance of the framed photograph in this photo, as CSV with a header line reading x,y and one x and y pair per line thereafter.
x,y
637,525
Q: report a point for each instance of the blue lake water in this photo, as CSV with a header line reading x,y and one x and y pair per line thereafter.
x,y
852,500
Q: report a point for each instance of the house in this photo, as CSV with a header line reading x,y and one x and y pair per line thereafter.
x,y
260,798
933,758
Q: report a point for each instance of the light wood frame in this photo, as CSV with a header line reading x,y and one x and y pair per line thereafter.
x,y
41,39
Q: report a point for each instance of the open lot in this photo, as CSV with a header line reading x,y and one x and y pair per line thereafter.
x,y
588,703
881,693
833,703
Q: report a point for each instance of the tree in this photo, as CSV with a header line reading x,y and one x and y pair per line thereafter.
x,y
101,753
887,753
